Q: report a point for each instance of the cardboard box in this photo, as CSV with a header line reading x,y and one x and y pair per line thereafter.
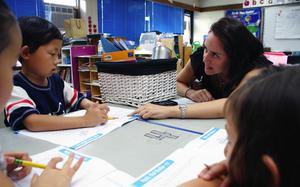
x,y
119,56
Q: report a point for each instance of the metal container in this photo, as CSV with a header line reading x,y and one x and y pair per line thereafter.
x,y
161,52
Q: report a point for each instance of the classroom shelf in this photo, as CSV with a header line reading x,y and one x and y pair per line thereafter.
x,y
88,76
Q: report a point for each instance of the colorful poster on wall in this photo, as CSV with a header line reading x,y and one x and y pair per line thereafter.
x,y
250,17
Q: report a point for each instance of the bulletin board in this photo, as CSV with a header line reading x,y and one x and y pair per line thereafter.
x,y
250,17
282,32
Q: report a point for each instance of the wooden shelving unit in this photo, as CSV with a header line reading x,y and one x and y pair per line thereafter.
x,y
88,76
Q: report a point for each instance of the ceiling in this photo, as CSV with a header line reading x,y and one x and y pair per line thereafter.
x,y
207,3
203,5
188,2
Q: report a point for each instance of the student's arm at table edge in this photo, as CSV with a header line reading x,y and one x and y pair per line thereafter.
x,y
41,122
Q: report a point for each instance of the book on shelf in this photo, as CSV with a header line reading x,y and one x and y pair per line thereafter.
x,y
65,74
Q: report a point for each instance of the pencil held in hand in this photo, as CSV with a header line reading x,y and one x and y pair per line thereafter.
x,y
111,118
30,164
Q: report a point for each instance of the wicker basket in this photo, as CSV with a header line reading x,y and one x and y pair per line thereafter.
x,y
136,83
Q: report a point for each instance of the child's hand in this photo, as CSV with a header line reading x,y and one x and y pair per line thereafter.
x,y
95,116
199,96
54,177
103,107
11,166
215,171
86,104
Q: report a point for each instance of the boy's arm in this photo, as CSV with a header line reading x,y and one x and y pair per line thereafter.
x,y
71,93
72,97
40,122
86,103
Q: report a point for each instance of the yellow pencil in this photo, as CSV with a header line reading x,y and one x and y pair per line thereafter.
x,y
28,163
111,118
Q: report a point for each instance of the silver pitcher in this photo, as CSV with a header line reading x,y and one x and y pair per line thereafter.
x,y
161,52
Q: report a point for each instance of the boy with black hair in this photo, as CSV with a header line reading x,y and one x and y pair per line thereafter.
x,y
40,96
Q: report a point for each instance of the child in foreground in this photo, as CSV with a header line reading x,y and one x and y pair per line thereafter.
x,y
263,124
10,37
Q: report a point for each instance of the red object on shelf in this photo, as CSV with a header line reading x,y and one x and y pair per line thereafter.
x,y
95,28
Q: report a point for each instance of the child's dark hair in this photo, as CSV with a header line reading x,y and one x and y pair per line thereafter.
x,y
37,31
7,20
265,113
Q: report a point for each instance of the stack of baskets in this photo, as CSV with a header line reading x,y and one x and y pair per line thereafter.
x,y
137,83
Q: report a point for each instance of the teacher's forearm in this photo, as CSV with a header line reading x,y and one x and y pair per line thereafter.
x,y
210,109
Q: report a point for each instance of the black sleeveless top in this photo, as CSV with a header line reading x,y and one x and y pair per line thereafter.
x,y
211,82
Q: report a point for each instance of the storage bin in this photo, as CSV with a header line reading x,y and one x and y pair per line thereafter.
x,y
137,83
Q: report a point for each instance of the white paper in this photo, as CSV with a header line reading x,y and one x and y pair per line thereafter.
x,y
77,138
287,22
186,163
93,171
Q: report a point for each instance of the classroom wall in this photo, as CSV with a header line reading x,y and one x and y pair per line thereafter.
x,y
210,3
269,39
203,21
89,8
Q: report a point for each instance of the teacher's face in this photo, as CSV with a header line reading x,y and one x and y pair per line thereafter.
x,y
214,56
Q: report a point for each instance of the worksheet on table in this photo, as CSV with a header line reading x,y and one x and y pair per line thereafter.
x,y
94,172
186,163
77,138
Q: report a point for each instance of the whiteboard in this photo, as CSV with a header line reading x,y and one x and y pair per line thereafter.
x,y
273,28
287,22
